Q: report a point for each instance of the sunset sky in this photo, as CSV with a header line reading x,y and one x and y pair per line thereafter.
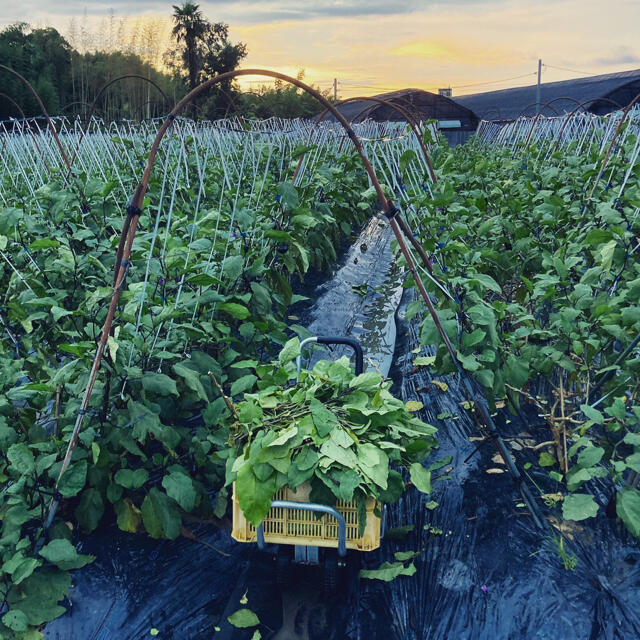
x,y
372,46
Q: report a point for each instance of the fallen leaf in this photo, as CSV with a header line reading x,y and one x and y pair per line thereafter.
x,y
443,386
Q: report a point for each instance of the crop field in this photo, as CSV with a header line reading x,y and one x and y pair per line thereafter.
x,y
526,240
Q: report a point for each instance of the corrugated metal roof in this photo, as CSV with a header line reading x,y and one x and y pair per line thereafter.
x,y
507,104
421,105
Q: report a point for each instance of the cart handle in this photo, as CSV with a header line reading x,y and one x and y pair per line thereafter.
x,y
310,506
350,342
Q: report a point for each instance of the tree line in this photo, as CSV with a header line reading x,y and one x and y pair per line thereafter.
x,y
68,80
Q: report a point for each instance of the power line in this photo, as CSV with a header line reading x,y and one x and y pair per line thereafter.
x,y
479,84
586,73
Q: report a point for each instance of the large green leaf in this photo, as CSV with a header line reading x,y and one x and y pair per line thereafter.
x,y
64,555
73,479
579,506
160,515
244,618
90,509
159,383
388,571
128,515
254,496
628,509
420,477
192,380
21,458
180,487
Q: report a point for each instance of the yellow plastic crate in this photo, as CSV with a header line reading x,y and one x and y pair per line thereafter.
x,y
297,527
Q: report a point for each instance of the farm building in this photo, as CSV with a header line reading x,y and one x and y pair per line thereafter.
x,y
598,94
455,121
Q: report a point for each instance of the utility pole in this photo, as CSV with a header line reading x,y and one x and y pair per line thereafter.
x,y
538,87
335,89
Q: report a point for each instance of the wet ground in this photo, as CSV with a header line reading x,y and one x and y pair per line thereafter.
x,y
485,573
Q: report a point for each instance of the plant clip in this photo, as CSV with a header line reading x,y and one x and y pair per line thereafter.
x,y
351,133
131,210
171,116
391,213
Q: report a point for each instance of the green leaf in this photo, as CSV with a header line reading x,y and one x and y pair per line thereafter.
x,y
89,512
254,496
25,569
546,460
232,268
73,479
628,509
236,310
484,377
43,243
345,457
388,571
288,194
244,618
180,487
191,379
323,419
592,414
487,282
160,515
290,351
159,383
590,456
576,477
517,371
366,380
413,405
128,515
243,384
64,555
130,479
420,477
606,254
21,458
16,620
579,506
395,488
399,533
424,361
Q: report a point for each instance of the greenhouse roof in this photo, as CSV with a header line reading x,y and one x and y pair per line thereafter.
x,y
508,104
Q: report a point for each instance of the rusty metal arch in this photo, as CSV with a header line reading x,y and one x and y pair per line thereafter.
x,y
581,106
410,121
613,139
534,104
548,106
100,93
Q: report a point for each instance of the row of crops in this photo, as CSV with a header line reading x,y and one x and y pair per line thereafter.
x,y
534,228
235,215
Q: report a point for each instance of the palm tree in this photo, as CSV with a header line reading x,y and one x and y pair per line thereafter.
x,y
189,27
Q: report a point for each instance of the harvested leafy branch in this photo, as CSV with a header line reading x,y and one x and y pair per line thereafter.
x,y
346,435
